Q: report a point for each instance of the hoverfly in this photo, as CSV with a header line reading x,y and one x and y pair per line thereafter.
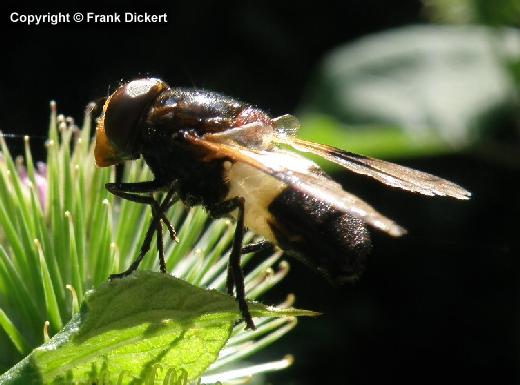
x,y
212,150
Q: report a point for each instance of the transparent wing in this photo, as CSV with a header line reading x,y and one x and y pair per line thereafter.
x,y
301,174
385,172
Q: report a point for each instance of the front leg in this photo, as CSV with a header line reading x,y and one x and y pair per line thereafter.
x,y
235,276
129,191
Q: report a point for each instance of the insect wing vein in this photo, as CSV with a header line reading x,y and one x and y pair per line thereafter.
x,y
385,172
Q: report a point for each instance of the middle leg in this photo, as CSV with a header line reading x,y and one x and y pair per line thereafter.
x,y
235,275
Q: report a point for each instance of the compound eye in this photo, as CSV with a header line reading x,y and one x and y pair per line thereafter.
x,y
123,115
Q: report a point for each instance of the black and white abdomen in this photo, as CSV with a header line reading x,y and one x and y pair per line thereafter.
x,y
326,239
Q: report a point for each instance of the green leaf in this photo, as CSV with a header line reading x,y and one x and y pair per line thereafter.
x,y
12,332
449,84
382,141
497,12
136,327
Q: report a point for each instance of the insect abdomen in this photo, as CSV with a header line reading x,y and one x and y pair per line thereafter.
x,y
326,239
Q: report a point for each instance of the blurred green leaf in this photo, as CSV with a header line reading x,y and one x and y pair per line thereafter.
x,y
441,85
383,141
123,332
496,12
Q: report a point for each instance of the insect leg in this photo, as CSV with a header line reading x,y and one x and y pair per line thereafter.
x,y
122,190
165,205
217,211
257,246
144,249
235,275
160,247
129,192
135,187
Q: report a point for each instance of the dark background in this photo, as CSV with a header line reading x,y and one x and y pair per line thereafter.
x,y
439,305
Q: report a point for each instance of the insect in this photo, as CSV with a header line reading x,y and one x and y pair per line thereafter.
x,y
212,150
